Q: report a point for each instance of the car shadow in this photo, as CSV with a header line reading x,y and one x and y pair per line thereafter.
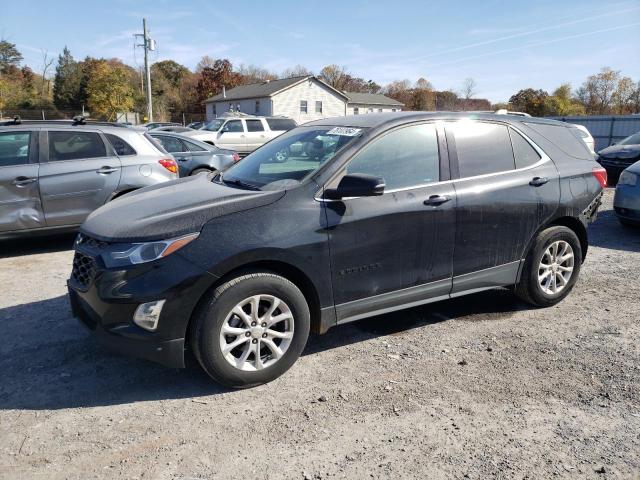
x,y
48,361
36,245
608,232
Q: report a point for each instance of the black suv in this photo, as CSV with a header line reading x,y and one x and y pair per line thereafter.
x,y
367,214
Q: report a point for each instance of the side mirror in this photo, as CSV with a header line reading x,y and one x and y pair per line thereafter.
x,y
356,185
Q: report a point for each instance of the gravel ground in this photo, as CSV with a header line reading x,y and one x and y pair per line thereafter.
x,y
480,387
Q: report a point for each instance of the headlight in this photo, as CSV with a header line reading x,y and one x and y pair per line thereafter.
x,y
628,178
136,253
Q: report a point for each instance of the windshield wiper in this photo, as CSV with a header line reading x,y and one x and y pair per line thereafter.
x,y
240,183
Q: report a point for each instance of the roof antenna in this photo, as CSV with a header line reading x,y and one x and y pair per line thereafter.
x,y
79,120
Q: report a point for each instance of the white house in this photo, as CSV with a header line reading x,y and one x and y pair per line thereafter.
x,y
304,99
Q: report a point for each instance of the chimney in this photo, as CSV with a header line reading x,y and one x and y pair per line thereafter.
x,y
224,92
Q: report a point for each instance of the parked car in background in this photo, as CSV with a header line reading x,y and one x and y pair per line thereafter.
x,y
380,213
196,125
619,156
626,202
152,125
172,128
586,137
194,156
244,134
54,173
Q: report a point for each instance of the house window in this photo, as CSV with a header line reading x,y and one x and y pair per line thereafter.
x,y
380,110
318,107
213,110
370,110
393,109
356,110
303,106
257,106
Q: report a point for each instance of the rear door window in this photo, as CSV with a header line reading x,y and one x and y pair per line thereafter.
x,y
75,145
404,158
525,155
171,144
254,126
14,148
121,147
281,124
482,148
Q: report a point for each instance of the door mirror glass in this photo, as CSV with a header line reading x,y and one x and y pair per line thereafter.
x,y
356,185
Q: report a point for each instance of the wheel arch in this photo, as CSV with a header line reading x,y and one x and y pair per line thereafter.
x,y
572,223
292,273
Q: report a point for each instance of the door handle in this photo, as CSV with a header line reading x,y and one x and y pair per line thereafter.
x,y
107,170
181,158
538,181
22,181
436,200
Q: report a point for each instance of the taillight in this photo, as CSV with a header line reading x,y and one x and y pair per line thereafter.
x,y
236,157
169,164
601,175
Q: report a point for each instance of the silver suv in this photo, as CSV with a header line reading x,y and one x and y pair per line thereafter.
x,y
53,174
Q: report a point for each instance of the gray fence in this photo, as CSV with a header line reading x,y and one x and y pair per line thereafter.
x,y
606,129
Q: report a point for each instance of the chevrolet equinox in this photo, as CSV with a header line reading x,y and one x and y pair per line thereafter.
x,y
366,215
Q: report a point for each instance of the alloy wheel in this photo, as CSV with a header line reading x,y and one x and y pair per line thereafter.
x,y
257,332
556,267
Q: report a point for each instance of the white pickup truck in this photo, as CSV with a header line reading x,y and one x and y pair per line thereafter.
x,y
242,135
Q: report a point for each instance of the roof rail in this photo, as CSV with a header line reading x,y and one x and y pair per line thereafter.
x,y
504,111
75,122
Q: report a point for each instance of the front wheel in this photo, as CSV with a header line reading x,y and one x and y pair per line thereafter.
x,y
551,268
252,329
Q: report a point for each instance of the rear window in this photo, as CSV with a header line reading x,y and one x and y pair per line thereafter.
x,y
121,147
566,139
482,148
281,123
75,145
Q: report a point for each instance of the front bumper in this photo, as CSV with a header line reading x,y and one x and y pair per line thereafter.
x,y
626,202
106,305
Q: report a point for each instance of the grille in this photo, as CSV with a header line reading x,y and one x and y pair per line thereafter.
x,y
84,269
91,242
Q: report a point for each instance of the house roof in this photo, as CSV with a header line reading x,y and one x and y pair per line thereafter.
x,y
265,89
372,99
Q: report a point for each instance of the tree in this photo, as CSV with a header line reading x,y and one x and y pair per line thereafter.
x,y
623,96
213,77
596,93
254,74
447,100
529,101
66,82
172,71
109,90
297,71
468,90
334,75
10,57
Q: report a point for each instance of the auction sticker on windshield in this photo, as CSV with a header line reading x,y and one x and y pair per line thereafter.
x,y
344,131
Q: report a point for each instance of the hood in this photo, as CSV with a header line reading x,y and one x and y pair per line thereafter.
x,y
620,151
635,168
170,209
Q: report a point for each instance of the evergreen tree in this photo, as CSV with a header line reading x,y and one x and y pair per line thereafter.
x,y
66,84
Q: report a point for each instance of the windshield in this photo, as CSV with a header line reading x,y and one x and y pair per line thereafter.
x,y
631,140
290,158
213,125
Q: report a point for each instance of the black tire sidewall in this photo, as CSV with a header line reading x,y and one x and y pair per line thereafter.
x,y
546,238
207,334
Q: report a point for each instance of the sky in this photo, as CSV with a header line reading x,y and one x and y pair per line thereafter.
x,y
503,45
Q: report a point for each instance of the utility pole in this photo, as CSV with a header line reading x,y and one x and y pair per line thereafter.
x,y
148,45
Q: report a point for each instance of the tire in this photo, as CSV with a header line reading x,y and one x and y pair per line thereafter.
x,y
540,293
216,312
198,171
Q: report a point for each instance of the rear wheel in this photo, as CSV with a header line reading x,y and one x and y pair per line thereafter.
x,y
252,329
551,268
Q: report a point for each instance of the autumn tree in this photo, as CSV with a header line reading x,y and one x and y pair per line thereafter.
x,y
213,76
109,90
10,57
297,71
561,102
254,74
529,101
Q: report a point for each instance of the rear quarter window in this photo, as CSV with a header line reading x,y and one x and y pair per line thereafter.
x,y
565,138
155,143
285,124
121,147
